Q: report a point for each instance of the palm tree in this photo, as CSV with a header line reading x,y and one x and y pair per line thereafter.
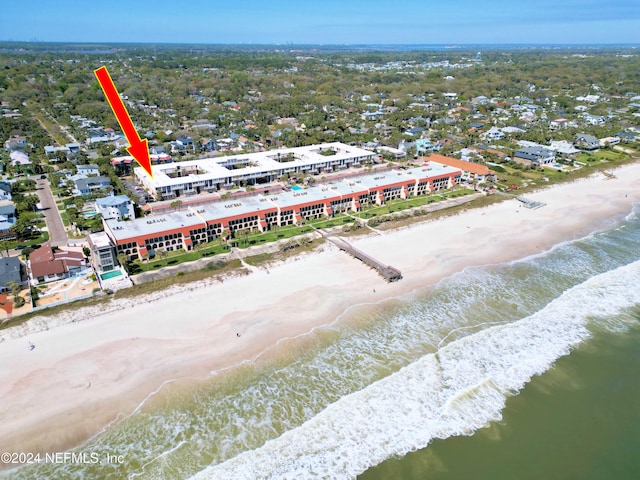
x,y
15,288
4,245
122,259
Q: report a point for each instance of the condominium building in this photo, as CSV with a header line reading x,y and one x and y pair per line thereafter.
x,y
171,180
182,230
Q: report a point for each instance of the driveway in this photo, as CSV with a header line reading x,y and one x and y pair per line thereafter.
x,y
57,232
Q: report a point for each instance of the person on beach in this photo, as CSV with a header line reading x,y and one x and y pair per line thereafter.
x,y
31,346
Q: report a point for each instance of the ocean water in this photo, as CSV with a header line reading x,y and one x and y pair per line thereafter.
x,y
423,386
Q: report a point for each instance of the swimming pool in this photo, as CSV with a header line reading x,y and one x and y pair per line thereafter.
x,y
111,274
296,187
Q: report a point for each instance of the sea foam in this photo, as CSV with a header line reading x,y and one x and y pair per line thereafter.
x,y
454,391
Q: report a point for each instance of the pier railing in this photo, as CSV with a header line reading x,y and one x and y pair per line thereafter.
x,y
389,273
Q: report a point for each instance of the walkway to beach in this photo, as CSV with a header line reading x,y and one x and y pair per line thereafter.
x,y
389,273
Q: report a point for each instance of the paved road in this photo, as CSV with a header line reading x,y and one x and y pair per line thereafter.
x,y
57,232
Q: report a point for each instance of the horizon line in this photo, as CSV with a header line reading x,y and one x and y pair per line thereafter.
x,y
453,45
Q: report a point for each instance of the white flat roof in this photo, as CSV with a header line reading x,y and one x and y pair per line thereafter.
x,y
153,224
197,216
99,240
262,163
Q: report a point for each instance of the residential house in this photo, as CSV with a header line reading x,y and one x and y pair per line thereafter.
x,y
74,148
20,160
512,130
103,254
110,137
208,145
7,213
8,113
47,265
11,270
15,142
7,207
479,100
559,123
587,142
183,144
51,151
626,137
5,190
596,120
493,133
421,145
291,122
119,207
609,141
481,149
85,186
396,152
563,147
88,170
371,115
6,228
535,156
415,131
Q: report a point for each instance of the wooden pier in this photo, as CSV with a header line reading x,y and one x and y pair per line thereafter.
x,y
389,273
528,203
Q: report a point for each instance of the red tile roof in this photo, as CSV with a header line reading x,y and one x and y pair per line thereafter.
x,y
53,267
463,165
45,262
42,254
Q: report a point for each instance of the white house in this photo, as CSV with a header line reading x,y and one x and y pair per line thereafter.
x,y
493,133
609,141
119,207
559,123
88,170
564,147
19,158
594,120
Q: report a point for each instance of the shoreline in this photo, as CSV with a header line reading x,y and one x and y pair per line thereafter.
x,y
108,365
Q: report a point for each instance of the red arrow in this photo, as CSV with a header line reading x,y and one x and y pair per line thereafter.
x,y
139,149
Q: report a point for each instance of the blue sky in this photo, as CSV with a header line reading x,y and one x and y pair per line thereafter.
x,y
323,22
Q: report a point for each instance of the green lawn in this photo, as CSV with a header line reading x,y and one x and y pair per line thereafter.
x,y
420,201
279,233
174,258
609,155
65,218
599,155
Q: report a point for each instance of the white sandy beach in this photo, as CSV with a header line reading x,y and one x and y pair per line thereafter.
x,y
84,374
